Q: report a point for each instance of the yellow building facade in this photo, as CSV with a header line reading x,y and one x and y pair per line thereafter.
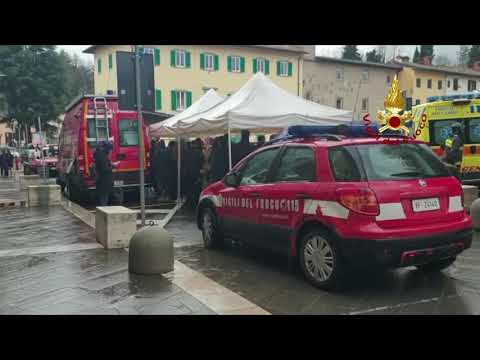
x,y
194,69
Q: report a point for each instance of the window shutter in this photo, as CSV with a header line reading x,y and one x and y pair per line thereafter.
x,y
202,61
289,69
172,58
242,64
158,99
110,61
157,56
215,64
254,66
229,63
189,98
187,59
278,68
267,67
99,66
174,100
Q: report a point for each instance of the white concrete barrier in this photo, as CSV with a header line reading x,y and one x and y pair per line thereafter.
x,y
26,180
44,195
470,194
115,226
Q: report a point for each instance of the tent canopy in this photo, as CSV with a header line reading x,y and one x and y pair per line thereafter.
x,y
206,102
259,106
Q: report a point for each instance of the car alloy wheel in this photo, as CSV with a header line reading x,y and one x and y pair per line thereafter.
x,y
207,228
319,258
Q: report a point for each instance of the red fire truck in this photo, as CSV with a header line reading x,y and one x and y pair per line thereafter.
x,y
89,120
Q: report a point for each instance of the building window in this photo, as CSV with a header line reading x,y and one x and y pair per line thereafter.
x,y
429,83
417,102
339,103
365,104
209,63
339,74
472,85
365,75
448,84
181,100
235,64
284,68
110,61
260,66
419,82
180,58
99,66
439,84
455,84
388,79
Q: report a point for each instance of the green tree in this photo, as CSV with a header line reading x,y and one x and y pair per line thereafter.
x,y
374,56
426,50
473,54
416,56
350,52
463,55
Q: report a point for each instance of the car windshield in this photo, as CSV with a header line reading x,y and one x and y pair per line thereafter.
x,y
400,161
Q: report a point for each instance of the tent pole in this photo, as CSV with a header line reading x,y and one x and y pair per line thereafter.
x,y
229,147
179,155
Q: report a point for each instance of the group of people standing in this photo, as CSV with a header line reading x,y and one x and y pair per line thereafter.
x,y
202,163
6,163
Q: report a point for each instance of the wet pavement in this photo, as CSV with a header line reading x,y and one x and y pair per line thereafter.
x,y
264,279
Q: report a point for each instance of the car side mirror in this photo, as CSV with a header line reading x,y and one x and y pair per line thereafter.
x,y
231,180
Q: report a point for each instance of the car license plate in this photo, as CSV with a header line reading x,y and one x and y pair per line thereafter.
x,y
425,204
118,183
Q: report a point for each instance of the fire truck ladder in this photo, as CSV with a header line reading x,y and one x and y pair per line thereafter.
x,y
101,122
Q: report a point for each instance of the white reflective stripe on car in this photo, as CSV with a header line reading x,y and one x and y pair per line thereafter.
x,y
455,204
391,211
215,199
327,208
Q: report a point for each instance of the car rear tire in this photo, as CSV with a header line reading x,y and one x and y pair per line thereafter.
x,y
437,265
212,238
320,260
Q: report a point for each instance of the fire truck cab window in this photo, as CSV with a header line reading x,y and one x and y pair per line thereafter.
x,y
256,170
297,164
128,133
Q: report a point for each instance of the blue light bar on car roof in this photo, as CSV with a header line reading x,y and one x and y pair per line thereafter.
x,y
350,130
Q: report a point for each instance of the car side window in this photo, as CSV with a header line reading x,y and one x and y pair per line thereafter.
x,y
256,169
343,165
297,164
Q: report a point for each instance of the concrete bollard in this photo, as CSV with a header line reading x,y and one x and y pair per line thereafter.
x,y
475,214
470,194
151,251
44,195
115,226
27,180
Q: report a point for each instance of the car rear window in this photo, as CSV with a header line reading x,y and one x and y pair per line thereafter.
x,y
343,165
400,161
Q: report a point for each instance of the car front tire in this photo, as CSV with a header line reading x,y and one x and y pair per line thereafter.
x,y
212,237
320,260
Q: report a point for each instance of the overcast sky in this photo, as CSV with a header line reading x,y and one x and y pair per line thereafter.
x,y
326,50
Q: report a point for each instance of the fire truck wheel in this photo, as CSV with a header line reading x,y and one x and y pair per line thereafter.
x,y
212,237
437,265
320,260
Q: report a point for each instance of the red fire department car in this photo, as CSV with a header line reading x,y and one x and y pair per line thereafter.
x,y
331,201
89,120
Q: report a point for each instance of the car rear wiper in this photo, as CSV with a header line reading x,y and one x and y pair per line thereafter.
x,y
407,173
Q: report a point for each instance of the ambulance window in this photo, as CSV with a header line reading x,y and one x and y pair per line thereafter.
x,y
256,169
441,129
297,164
474,131
343,165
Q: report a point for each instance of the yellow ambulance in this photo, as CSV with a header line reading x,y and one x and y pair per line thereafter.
x,y
432,124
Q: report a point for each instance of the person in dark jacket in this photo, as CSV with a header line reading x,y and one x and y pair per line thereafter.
x,y
161,166
153,163
103,168
197,159
4,163
9,161
219,166
171,170
242,149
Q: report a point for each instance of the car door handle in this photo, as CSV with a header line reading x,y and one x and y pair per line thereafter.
x,y
302,196
255,194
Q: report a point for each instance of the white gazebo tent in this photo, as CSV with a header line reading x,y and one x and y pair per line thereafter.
x,y
206,102
260,105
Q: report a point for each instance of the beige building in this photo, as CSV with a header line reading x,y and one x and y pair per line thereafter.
x,y
347,84
5,134
177,75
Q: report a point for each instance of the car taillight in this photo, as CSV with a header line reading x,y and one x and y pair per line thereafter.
x,y
362,201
